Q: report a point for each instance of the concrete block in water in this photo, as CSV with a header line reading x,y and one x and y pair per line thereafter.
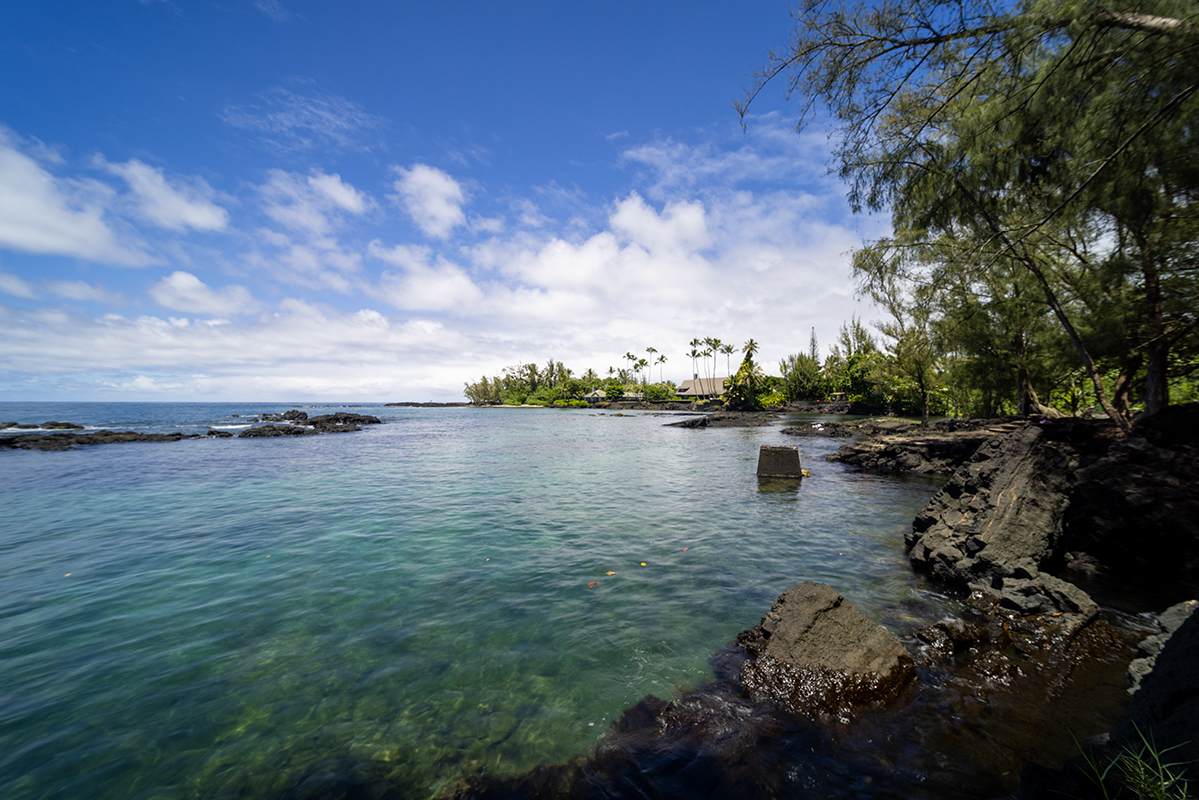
x,y
779,462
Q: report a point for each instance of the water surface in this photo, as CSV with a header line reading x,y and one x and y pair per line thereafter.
x,y
427,598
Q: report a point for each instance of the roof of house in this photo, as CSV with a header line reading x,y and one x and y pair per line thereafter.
x,y
703,387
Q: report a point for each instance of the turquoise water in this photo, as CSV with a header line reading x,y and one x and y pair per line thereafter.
x,y
226,617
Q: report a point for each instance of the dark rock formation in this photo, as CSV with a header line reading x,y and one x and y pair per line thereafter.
x,y
1134,507
1167,623
997,524
832,430
908,449
340,422
49,426
65,441
265,431
1166,706
817,654
730,419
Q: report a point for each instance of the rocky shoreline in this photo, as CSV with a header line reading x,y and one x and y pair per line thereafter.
x,y
289,423
1036,517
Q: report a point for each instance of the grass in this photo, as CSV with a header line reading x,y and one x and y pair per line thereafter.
x,y
1141,769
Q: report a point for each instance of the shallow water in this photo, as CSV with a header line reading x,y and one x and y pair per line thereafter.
x,y
222,617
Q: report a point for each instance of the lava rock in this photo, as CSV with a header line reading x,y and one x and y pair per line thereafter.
x,y
1134,507
999,514
263,431
832,430
1168,622
729,419
1166,707
818,654
65,441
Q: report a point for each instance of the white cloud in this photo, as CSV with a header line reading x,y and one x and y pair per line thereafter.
x,y
142,385
14,286
40,213
425,286
176,204
182,291
273,9
289,122
432,198
82,291
311,204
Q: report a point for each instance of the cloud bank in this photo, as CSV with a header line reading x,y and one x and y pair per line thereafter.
x,y
302,286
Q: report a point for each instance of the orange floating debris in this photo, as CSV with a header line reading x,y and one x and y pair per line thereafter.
x,y
593,583
685,549
609,573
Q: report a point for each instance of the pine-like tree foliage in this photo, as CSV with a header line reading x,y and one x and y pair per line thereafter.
x,y
1058,138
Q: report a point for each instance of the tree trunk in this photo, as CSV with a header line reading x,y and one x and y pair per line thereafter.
x,y
1124,378
1157,349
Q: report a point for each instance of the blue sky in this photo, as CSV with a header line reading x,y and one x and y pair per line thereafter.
x,y
303,201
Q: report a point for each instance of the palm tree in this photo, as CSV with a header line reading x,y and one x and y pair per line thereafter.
x,y
714,345
632,359
728,350
641,365
750,348
705,353
661,360
694,354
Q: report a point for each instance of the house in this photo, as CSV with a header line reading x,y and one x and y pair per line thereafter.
x,y
703,387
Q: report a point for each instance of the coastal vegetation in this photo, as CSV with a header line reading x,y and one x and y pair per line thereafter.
x,y
1039,163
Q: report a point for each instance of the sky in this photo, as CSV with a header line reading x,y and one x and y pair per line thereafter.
x,y
291,200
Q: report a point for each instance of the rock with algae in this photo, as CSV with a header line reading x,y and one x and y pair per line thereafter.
x,y
821,656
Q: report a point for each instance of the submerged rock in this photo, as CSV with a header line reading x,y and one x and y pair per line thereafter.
x,y
818,654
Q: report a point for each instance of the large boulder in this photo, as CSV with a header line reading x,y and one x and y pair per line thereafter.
x,y
819,655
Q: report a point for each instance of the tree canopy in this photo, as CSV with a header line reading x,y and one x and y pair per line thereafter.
x,y
1037,150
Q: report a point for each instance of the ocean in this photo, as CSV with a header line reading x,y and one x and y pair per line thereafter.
x,y
458,591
